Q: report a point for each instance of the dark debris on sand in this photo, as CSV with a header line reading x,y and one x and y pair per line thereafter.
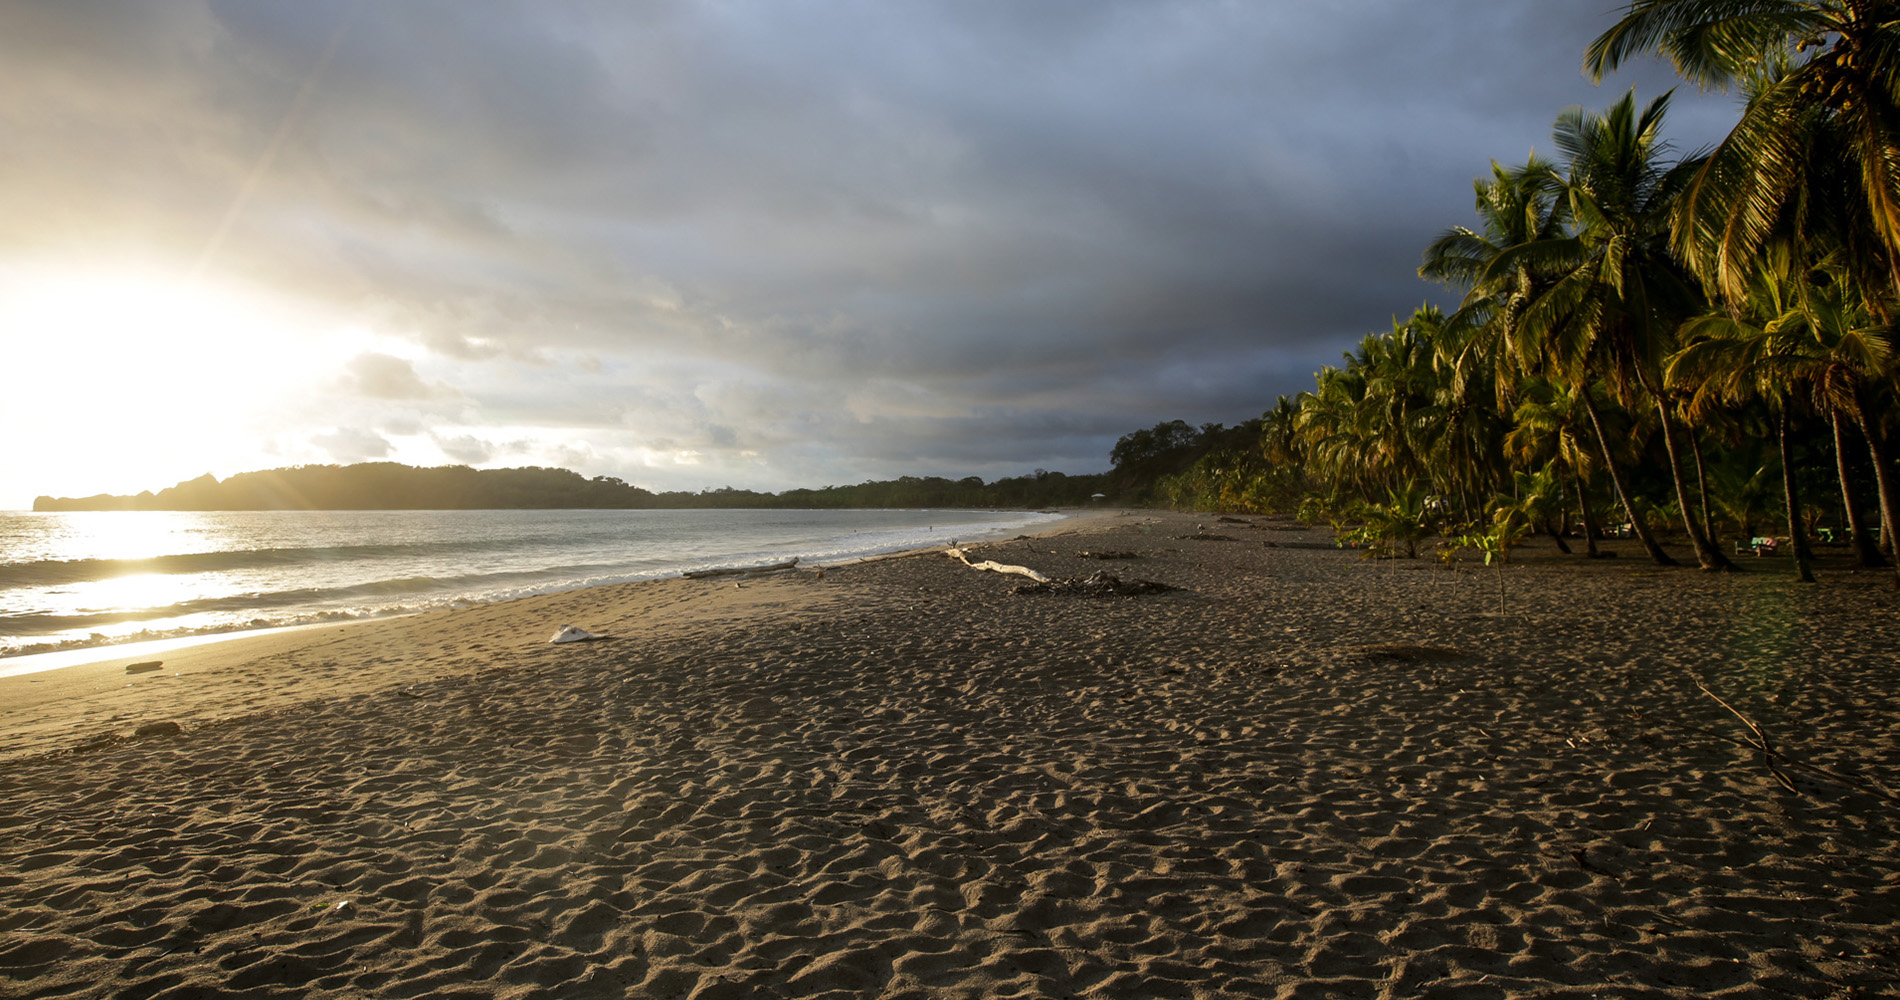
x,y
1098,584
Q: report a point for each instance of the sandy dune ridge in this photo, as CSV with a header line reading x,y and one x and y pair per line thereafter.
x,y
1303,774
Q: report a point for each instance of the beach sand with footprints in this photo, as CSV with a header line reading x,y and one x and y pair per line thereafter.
x,y
1297,774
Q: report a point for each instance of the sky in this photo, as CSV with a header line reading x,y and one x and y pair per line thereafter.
x,y
701,243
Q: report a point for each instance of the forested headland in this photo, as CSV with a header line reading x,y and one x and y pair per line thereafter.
x,y
391,486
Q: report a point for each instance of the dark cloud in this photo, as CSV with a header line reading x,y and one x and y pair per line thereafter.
x,y
799,237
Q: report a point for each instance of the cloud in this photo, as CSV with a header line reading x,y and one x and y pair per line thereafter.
x,y
465,448
383,376
348,444
845,236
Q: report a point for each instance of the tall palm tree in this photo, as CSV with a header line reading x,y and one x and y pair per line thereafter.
x,y
1618,293
1804,340
1523,247
1730,360
1804,335
1517,207
1818,144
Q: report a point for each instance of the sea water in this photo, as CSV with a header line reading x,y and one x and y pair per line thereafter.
x,y
94,578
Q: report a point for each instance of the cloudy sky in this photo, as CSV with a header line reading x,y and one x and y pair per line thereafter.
x,y
693,243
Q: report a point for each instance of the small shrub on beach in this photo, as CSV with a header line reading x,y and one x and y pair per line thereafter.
x,y
1388,528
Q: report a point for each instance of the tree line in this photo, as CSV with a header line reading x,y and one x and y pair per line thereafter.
x,y
393,486
1694,344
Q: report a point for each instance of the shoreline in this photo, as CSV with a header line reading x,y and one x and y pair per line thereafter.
x,y
95,676
84,654
1300,773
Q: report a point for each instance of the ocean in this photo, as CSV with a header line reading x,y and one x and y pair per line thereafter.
x,y
71,580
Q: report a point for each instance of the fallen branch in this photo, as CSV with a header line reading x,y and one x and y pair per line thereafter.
x,y
995,567
1772,756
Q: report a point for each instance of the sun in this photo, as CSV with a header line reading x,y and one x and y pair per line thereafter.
x,y
122,378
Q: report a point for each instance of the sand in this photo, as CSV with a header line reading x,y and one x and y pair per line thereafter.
x,y
1303,774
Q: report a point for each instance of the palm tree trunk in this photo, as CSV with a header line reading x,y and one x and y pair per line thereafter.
x,y
1589,520
1866,555
1883,477
1702,489
1797,538
1710,557
1557,535
1642,531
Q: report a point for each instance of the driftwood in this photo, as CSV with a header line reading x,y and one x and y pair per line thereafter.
x,y
995,567
701,574
1117,554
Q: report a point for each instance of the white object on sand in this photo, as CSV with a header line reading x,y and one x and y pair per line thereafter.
x,y
995,567
574,633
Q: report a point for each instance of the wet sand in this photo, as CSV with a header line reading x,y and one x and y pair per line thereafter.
x,y
1301,774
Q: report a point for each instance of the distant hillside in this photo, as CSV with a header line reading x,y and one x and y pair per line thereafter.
x,y
390,486
375,486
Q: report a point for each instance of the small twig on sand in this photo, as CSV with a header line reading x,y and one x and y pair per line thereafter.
x,y
1772,756
1761,738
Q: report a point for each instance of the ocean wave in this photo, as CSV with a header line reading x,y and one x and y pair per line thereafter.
x,y
54,572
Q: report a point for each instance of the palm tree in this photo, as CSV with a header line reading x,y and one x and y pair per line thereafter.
x,y
1522,247
1279,434
1618,294
1734,360
1328,425
1517,207
1805,339
1818,144
1548,432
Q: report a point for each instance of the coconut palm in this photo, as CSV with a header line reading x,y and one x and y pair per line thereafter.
x,y
1549,431
1517,207
1328,426
1818,144
1804,342
1618,293
1733,362
1279,434
1524,244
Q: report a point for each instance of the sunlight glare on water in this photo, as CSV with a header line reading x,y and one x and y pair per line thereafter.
x,y
78,579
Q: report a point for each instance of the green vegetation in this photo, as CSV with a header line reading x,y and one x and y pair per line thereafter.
x,y
1650,338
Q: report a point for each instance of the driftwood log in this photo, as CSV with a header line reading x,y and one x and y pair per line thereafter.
x,y
701,574
995,567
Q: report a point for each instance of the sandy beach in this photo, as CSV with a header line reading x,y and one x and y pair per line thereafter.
x,y
1299,774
